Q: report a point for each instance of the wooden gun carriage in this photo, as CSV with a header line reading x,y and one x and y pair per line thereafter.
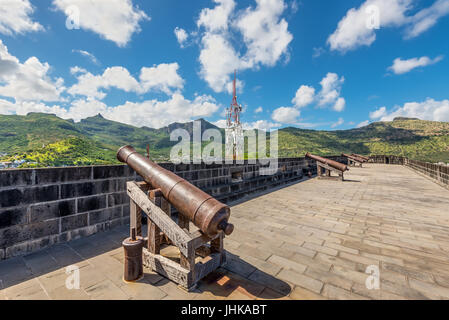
x,y
354,161
326,167
200,251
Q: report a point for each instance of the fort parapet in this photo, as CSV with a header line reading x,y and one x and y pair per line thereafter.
x,y
41,207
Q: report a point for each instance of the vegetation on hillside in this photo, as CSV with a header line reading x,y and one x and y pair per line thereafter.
x,y
67,152
45,140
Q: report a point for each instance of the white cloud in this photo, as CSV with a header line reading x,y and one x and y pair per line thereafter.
x,y
15,17
220,123
88,55
264,32
379,113
259,110
363,124
317,52
216,19
260,125
340,104
330,92
429,109
216,72
328,96
403,66
163,77
28,81
114,20
354,29
427,18
239,85
265,38
90,85
338,123
77,70
286,115
304,96
181,36
156,114
151,113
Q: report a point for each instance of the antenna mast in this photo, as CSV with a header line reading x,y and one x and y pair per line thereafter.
x,y
234,131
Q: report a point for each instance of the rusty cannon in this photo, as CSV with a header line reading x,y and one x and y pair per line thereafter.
x,y
360,156
353,160
326,166
207,213
154,197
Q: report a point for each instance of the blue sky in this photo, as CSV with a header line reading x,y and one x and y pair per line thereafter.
x,y
311,64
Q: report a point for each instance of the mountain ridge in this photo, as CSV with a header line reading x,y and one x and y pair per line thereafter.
x,y
47,140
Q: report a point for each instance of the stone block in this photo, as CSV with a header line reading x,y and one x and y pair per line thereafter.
x,y
87,188
12,235
74,222
60,175
104,215
119,171
10,178
91,203
51,210
42,194
11,198
13,216
43,229
118,198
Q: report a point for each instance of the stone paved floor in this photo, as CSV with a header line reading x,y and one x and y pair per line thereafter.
x,y
311,240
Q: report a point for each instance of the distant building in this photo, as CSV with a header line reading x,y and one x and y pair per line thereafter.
x,y
5,165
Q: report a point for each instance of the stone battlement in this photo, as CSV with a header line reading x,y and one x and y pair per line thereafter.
x,y
41,207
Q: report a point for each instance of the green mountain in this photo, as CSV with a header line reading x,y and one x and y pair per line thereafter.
x,y
413,138
46,140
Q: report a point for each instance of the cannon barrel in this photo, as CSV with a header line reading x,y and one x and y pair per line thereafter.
x,y
353,157
208,214
360,156
332,163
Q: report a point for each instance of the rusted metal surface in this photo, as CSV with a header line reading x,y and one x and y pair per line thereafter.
x,y
360,156
331,163
352,157
207,213
133,257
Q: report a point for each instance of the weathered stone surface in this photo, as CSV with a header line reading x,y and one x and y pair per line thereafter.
x,y
58,175
74,222
10,178
84,189
13,216
116,199
91,203
104,215
51,210
299,242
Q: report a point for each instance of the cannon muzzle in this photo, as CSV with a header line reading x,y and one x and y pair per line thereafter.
x,y
208,214
331,163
